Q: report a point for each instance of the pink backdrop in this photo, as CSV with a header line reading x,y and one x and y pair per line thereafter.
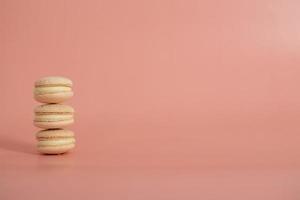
x,y
174,99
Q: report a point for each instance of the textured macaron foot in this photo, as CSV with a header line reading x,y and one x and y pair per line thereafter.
x,y
53,89
50,116
55,141
55,149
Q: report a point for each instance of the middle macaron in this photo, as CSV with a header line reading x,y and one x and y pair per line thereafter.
x,y
51,116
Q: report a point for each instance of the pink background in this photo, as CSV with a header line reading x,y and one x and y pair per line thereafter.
x,y
177,99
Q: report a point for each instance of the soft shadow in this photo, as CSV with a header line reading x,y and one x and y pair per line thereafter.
x,y
54,162
13,144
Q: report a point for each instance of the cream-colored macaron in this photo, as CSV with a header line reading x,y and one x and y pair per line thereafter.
x,y
51,116
55,141
53,89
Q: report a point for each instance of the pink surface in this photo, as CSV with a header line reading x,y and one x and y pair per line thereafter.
x,y
174,99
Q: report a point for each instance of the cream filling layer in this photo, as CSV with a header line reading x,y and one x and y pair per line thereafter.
x,y
58,142
52,118
51,90
55,137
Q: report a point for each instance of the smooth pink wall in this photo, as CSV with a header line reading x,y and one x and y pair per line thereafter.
x,y
159,83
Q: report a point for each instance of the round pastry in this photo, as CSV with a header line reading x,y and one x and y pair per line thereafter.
x,y
51,116
53,89
55,141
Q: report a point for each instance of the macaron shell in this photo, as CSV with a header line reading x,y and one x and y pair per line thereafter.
x,y
55,149
55,141
54,124
53,80
53,116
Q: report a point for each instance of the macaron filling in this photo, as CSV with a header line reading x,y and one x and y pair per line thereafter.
x,y
52,90
53,113
52,118
53,80
57,142
53,85
53,138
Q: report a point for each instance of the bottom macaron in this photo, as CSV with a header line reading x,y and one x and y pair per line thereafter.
x,y
55,141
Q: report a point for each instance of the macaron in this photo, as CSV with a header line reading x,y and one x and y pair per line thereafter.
x,y
55,141
51,116
53,89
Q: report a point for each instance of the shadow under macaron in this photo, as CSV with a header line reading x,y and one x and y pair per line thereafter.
x,y
10,143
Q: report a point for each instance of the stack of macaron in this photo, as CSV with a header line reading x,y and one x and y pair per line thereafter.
x,y
53,116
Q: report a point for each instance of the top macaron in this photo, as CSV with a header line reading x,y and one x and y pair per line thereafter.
x,y
53,89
